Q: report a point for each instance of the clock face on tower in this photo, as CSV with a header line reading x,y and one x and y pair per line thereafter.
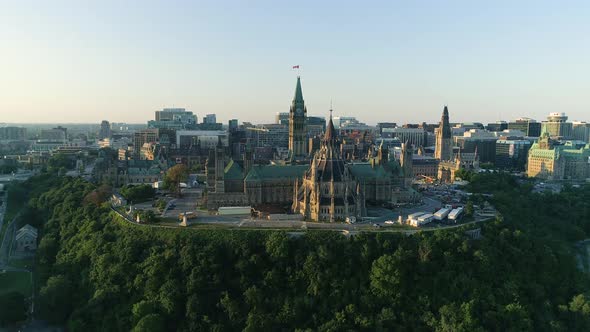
x,y
299,111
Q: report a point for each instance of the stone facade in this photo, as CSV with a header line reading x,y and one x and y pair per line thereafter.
x,y
444,139
462,160
328,191
558,162
297,125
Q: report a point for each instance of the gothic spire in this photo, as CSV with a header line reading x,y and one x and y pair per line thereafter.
x,y
445,127
330,131
298,93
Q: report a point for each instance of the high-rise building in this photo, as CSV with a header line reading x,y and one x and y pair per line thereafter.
x,y
173,118
342,121
13,133
297,124
105,130
482,141
268,135
469,125
557,126
512,153
210,119
203,139
282,118
141,137
59,134
383,125
581,131
497,126
176,114
232,124
444,139
413,136
530,127
315,125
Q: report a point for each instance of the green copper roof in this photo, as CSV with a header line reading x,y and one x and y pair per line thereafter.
x,y
143,171
233,171
366,171
567,151
267,172
298,93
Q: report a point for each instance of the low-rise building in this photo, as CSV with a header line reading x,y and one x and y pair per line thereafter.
x,y
26,239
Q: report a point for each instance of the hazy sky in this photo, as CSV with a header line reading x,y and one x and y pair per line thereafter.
x,y
85,61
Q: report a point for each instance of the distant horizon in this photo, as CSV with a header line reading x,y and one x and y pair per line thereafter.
x,y
272,120
378,61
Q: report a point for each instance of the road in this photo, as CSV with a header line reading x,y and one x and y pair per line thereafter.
x,y
6,242
4,248
22,176
245,223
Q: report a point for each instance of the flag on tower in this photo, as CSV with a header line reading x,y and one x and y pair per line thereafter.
x,y
296,67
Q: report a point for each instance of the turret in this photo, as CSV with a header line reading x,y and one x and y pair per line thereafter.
x,y
332,200
248,160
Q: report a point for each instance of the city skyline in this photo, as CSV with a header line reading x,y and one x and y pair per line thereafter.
x,y
74,63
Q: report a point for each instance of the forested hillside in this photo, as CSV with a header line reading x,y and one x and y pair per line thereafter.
x,y
100,274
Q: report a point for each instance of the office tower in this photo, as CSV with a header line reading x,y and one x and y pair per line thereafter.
x,y
105,130
557,126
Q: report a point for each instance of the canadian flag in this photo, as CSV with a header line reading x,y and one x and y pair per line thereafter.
x,y
296,67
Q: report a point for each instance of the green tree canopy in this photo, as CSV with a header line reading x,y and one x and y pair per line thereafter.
x,y
174,177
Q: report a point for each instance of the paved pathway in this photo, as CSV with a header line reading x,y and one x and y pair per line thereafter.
x,y
237,223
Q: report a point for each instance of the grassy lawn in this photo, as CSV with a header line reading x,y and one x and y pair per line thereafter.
x,y
16,281
23,263
16,201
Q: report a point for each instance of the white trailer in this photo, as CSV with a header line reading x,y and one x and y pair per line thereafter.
x,y
425,219
441,214
455,214
234,210
414,216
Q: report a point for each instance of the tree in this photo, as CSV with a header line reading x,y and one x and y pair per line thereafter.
x,y
6,169
99,195
196,168
13,308
55,299
464,174
138,194
160,204
469,209
143,309
455,318
146,216
105,275
174,177
150,323
60,162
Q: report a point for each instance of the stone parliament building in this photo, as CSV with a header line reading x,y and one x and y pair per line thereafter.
x,y
324,186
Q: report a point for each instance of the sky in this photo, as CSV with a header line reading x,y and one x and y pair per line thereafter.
x,y
396,61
